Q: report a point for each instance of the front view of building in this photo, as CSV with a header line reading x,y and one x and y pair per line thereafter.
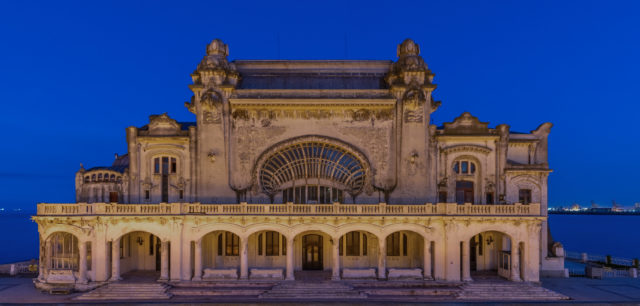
x,y
308,165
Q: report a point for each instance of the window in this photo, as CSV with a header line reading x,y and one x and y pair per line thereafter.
x,y
147,195
312,194
464,167
151,244
232,244
165,165
442,197
181,194
464,192
393,244
273,243
64,252
364,244
87,179
93,178
404,244
284,246
260,244
99,176
525,196
353,244
490,198
173,165
220,245
156,165
480,245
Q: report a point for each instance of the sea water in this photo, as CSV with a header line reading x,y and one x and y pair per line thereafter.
x,y
616,235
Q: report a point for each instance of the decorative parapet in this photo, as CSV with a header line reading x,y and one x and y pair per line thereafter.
x,y
288,209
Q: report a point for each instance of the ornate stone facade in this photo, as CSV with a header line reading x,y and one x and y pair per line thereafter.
x,y
296,165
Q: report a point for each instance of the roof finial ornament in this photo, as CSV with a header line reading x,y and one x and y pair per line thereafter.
x,y
408,47
81,167
217,47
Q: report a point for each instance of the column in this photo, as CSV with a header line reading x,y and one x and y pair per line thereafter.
x,y
244,258
466,262
115,260
426,266
82,265
44,261
197,273
515,261
164,260
335,272
382,258
290,258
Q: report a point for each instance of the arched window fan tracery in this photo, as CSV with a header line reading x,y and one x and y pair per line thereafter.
x,y
310,162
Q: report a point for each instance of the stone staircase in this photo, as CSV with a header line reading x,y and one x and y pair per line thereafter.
x,y
323,290
127,291
200,290
507,291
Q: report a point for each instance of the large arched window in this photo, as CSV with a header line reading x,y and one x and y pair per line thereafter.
x,y
64,251
312,172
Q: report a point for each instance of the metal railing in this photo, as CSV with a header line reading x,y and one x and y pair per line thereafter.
x,y
381,209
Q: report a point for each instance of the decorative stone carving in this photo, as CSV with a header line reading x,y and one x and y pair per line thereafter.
x,y
211,103
466,124
212,157
162,125
414,106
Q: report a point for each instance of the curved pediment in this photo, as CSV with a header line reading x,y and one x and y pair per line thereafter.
x,y
163,125
466,148
466,124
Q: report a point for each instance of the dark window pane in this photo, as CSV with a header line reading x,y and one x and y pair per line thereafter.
x,y
465,167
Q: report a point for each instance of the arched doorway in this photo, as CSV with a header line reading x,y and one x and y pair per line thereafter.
x,y
138,255
491,254
312,249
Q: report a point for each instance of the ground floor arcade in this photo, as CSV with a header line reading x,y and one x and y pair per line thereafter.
x,y
196,248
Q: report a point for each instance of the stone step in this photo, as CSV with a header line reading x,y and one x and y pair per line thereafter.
x,y
128,291
224,292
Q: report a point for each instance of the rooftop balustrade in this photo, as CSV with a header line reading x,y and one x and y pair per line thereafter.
x,y
288,209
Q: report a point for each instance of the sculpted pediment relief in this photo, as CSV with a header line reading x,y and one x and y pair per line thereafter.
x,y
466,124
160,125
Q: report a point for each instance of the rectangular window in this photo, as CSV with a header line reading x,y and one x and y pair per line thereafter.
x,y
393,244
465,167
364,244
284,246
151,240
165,165
353,244
260,244
525,196
232,244
490,198
273,243
404,244
220,245
313,193
174,165
146,195
181,194
156,165
442,197
89,255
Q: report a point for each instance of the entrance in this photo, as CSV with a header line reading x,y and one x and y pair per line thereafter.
x,y
464,192
312,252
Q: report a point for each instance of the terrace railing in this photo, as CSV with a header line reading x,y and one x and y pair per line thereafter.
x,y
288,209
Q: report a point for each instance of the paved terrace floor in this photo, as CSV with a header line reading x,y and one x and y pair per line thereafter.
x,y
581,290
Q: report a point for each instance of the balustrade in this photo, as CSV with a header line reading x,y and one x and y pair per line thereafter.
x,y
382,209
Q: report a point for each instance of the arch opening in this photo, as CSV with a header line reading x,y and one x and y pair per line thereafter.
x,y
312,171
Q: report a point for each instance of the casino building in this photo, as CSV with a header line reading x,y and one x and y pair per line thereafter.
x,y
307,165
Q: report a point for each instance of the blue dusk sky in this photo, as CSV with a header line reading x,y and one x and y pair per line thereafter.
x,y
74,75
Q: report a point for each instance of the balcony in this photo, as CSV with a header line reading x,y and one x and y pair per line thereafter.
x,y
289,209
